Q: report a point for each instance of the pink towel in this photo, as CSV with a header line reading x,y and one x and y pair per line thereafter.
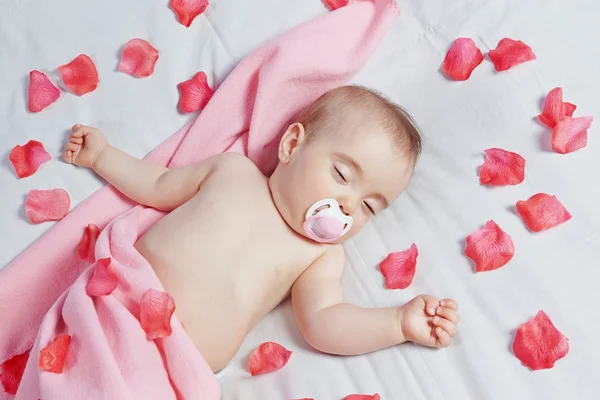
x,y
42,292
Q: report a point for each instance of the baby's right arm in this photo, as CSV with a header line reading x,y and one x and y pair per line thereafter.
x,y
149,184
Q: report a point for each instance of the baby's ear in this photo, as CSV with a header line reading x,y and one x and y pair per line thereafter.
x,y
292,140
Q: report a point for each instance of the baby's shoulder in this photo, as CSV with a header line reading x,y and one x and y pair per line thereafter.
x,y
233,161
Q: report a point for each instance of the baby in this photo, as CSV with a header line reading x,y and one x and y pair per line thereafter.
x,y
235,244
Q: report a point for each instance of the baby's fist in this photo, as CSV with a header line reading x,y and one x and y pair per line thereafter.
x,y
430,322
84,146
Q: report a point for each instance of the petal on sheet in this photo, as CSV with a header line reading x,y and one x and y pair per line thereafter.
x,y
53,356
86,249
462,58
268,357
542,211
502,167
104,281
12,372
510,53
80,76
47,205
41,91
555,109
570,134
335,4
399,268
538,344
363,397
28,158
156,310
188,10
490,247
569,109
139,58
194,93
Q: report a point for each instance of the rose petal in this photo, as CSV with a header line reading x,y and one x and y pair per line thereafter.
x,y
542,211
47,205
52,357
502,167
538,344
12,372
80,75
510,53
363,397
268,357
104,281
156,310
490,247
187,10
194,93
86,249
555,109
570,134
399,268
335,4
139,58
462,58
42,92
28,158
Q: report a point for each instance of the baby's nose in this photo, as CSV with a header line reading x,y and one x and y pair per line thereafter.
x,y
347,207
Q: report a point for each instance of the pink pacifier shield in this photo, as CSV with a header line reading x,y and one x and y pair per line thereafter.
x,y
323,228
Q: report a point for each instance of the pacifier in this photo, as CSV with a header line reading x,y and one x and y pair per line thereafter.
x,y
325,222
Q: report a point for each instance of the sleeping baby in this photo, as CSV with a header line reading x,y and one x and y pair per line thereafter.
x,y
235,243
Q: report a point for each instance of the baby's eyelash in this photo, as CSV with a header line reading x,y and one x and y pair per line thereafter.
x,y
340,174
370,208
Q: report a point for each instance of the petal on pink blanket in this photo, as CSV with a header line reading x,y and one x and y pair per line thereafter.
x,y
363,397
462,58
490,247
502,167
53,356
156,310
268,357
104,281
80,75
335,4
555,109
510,53
12,372
47,205
28,158
570,134
538,344
41,91
86,249
542,211
139,58
399,268
187,10
194,93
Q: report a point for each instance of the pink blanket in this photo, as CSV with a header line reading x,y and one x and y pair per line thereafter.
x,y
42,292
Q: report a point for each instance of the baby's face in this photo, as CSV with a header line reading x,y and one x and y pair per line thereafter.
x,y
360,168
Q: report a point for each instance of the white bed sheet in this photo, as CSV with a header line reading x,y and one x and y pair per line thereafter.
x,y
557,270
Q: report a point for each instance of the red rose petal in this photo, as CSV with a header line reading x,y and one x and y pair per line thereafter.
x,y
52,357
139,58
570,134
542,211
42,92
538,344
510,53
80,75
502,167
12,372
268,357
490,247
47,205
194,93
86,249
363,397
555,109
28,158
462,58
335,4
104,281
156,309
399,268
187,10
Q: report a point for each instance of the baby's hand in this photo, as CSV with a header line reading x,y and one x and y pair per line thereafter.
x,y
429,322
84,146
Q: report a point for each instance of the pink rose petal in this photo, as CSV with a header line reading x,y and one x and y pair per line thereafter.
x,y
28,158
139,58
510,53
462,58
47,205
194,93
42,92
399,268
188,10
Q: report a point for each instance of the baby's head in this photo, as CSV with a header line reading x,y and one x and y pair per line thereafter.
x,y
352,146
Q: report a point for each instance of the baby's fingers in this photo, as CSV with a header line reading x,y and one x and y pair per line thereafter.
x,y
449,303
68,156
431,303
72,146
443,340
446,325
448,313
